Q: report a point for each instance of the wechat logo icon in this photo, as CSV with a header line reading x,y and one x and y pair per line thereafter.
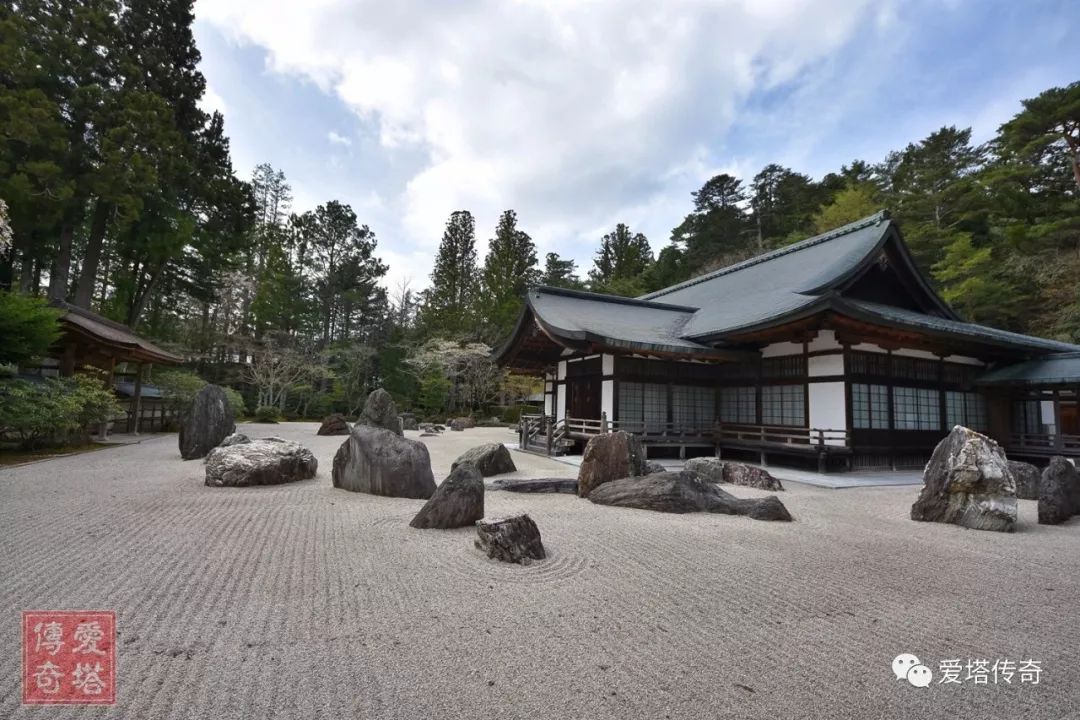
x,y
907,667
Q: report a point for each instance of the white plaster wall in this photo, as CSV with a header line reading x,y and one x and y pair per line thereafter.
x,y
548,399
608,365
560,403
781,349
562,370
825,340
822,365
607,398
828,408
867,347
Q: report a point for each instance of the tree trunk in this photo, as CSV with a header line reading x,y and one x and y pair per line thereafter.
x,y
61,270
84,291
138,304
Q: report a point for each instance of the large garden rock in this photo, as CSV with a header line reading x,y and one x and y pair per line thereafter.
x,y
457,425
235,439
513,539
610,456
489,458
381,462
750,476
653,467
457,502
1059,492
709,469
467,422
381,412
409,422
1026,476
684,492
259,462
968,482
535,485
334,424
207,423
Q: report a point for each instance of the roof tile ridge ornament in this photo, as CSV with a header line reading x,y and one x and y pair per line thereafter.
x,y
873,220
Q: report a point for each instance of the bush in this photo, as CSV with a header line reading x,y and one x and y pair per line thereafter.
x,y
267,414
54,409
236,402
178,388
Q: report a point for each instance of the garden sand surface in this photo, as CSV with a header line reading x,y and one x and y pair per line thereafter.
x,y
302,601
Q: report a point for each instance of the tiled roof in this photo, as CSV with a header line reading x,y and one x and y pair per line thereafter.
x,y
1058,369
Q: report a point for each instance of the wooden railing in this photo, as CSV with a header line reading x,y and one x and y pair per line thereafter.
x,y
1044,443
795,437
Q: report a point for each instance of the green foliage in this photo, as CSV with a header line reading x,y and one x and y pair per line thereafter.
x,y
53,410
509,268
434,392
448,306
28,327
236,402
619,263
849,205
267,414
560,273
178,388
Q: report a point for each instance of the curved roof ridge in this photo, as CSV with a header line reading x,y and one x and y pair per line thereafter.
x,y
875,219
616,299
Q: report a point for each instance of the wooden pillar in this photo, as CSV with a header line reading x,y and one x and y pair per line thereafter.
x,y
136,399
103,431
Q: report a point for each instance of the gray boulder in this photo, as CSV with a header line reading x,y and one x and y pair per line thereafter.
x,y
968,482
381,462
457,502
535,485
457,425
489,458
1026,477
408,422
380,412
334,424
1059,492
709,469
513,539
684,492
750,476
608,457
259,462
235,439
207,423
653,467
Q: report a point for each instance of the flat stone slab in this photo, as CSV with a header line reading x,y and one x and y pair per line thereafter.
x,y
684,492
535,485
270,461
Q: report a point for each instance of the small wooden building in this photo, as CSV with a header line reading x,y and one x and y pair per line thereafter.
x,y
91,339
836,349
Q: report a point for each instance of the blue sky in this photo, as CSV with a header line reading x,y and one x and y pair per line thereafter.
x,y
583,113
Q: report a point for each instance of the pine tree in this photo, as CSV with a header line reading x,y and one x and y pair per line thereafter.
x,y
509,269
619,263
448,305
560,273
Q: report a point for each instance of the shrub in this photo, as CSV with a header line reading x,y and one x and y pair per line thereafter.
x,y
178,388
236,402
267,414
54,409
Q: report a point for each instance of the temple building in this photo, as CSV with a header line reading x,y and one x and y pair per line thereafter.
x,y
835,351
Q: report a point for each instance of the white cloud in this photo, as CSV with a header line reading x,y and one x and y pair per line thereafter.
x,y
211,102
338,138
573,113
